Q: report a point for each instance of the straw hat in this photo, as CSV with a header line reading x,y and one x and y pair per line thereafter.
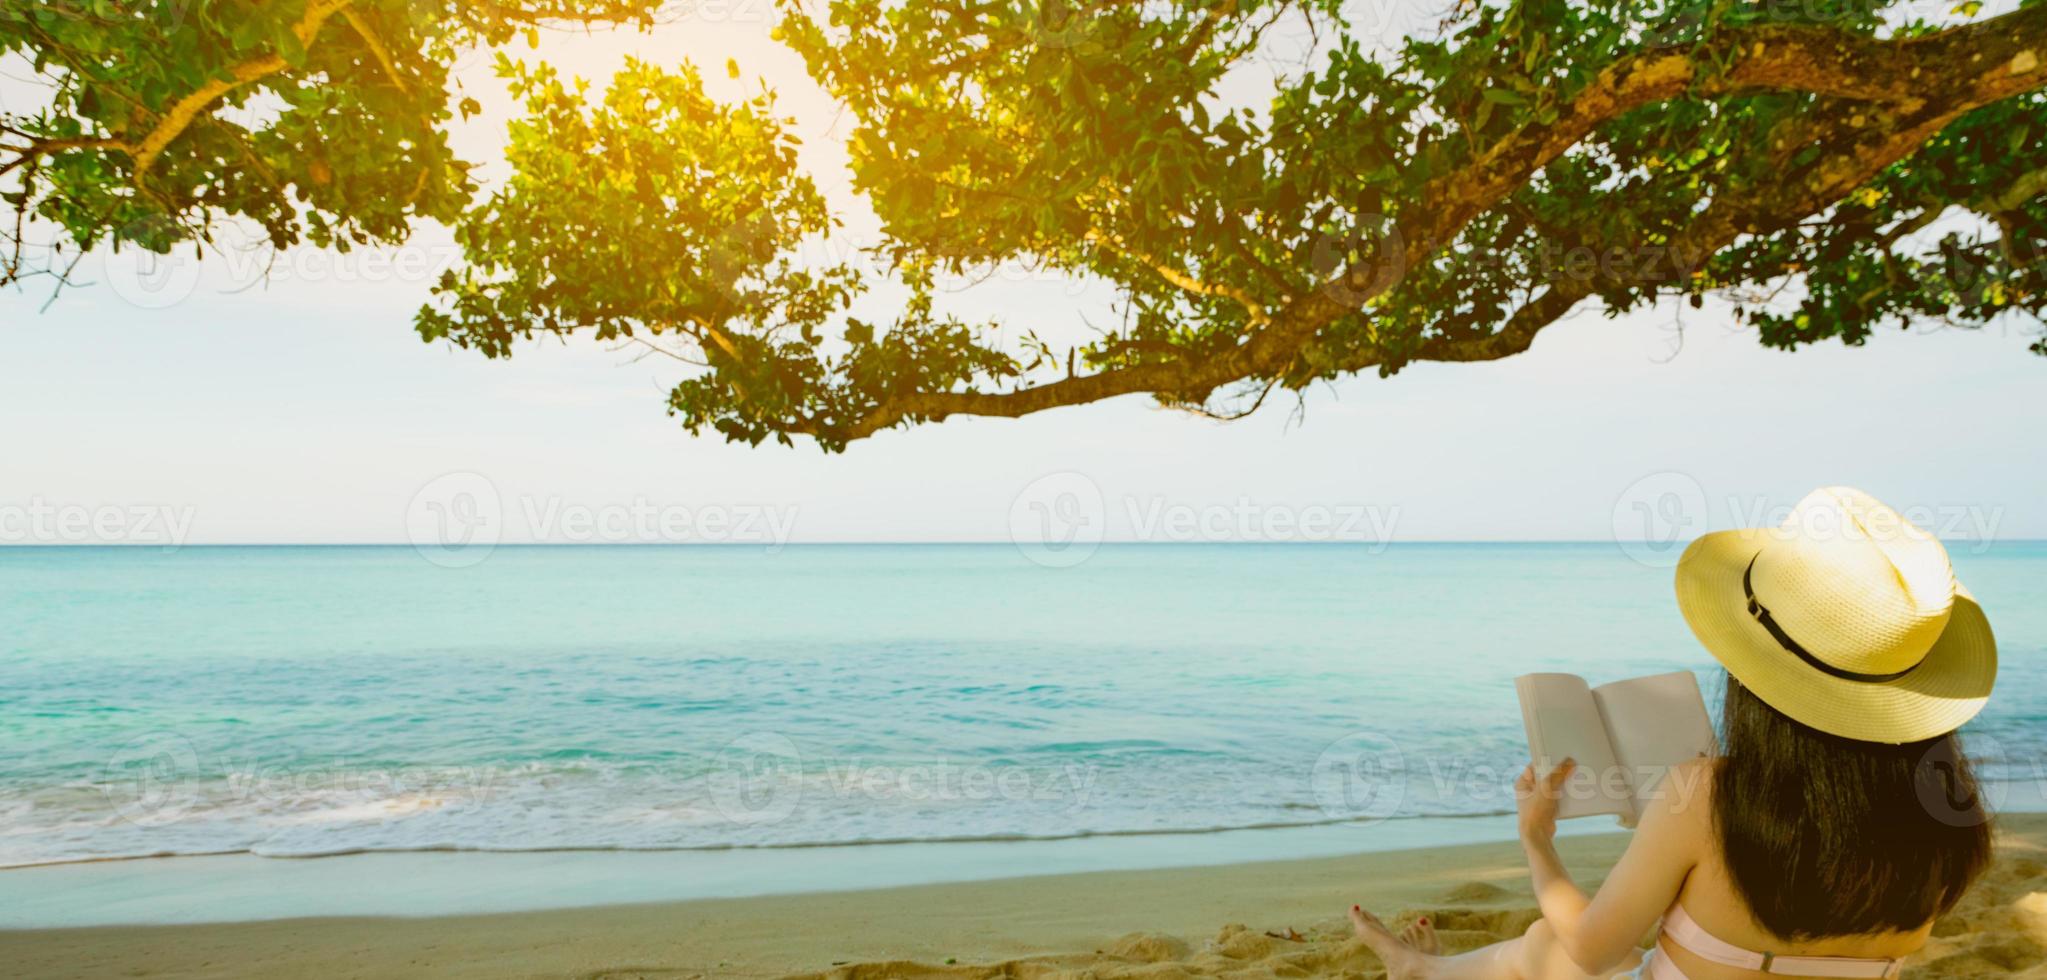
x,y
1846,618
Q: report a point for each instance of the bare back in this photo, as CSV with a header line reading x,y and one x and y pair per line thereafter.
x,y
1709,897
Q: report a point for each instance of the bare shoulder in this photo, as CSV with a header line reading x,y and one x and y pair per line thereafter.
x,y
1682,807
1698,773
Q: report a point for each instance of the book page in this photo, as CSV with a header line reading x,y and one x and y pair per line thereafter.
x,y
1653,723
1563,722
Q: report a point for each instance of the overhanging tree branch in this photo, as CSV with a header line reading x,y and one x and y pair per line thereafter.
x,y
133,147
1911,86
1381,210
180,113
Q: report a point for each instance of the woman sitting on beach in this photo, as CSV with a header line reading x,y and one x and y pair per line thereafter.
x,y
1840,819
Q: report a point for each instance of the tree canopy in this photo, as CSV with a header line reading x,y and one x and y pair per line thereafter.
x,y
1826,166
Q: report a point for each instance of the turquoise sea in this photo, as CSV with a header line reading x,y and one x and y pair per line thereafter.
x,y
298,701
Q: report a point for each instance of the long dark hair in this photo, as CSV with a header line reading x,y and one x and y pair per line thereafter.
x,y
1829,836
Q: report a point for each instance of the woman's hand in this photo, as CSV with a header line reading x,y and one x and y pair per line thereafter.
x,y
1537,799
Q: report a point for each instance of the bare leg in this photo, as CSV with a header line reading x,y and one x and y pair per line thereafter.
x,y
1534,956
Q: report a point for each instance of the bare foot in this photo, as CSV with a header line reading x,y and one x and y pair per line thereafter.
x,y
1404,960
1422,936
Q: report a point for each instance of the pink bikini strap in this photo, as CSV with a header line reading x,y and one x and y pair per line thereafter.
x,y
1679,928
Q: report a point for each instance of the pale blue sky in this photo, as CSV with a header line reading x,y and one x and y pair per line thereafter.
x,y
307,411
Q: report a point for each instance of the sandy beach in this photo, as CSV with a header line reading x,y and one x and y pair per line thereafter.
x,y
1213,921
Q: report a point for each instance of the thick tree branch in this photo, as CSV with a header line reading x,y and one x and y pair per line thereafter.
x,y
37,149
175,119
376,45
1773,207
1913,87
2015,195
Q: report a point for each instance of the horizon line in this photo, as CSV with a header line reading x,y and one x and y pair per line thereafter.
x,y
1617,542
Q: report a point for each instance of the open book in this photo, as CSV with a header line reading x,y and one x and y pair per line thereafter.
x,y
1624,736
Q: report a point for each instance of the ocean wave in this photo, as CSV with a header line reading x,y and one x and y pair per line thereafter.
x,y
590,804
785,845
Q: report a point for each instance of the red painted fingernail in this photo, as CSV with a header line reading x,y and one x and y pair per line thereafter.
x,y
1425,920
1354,908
